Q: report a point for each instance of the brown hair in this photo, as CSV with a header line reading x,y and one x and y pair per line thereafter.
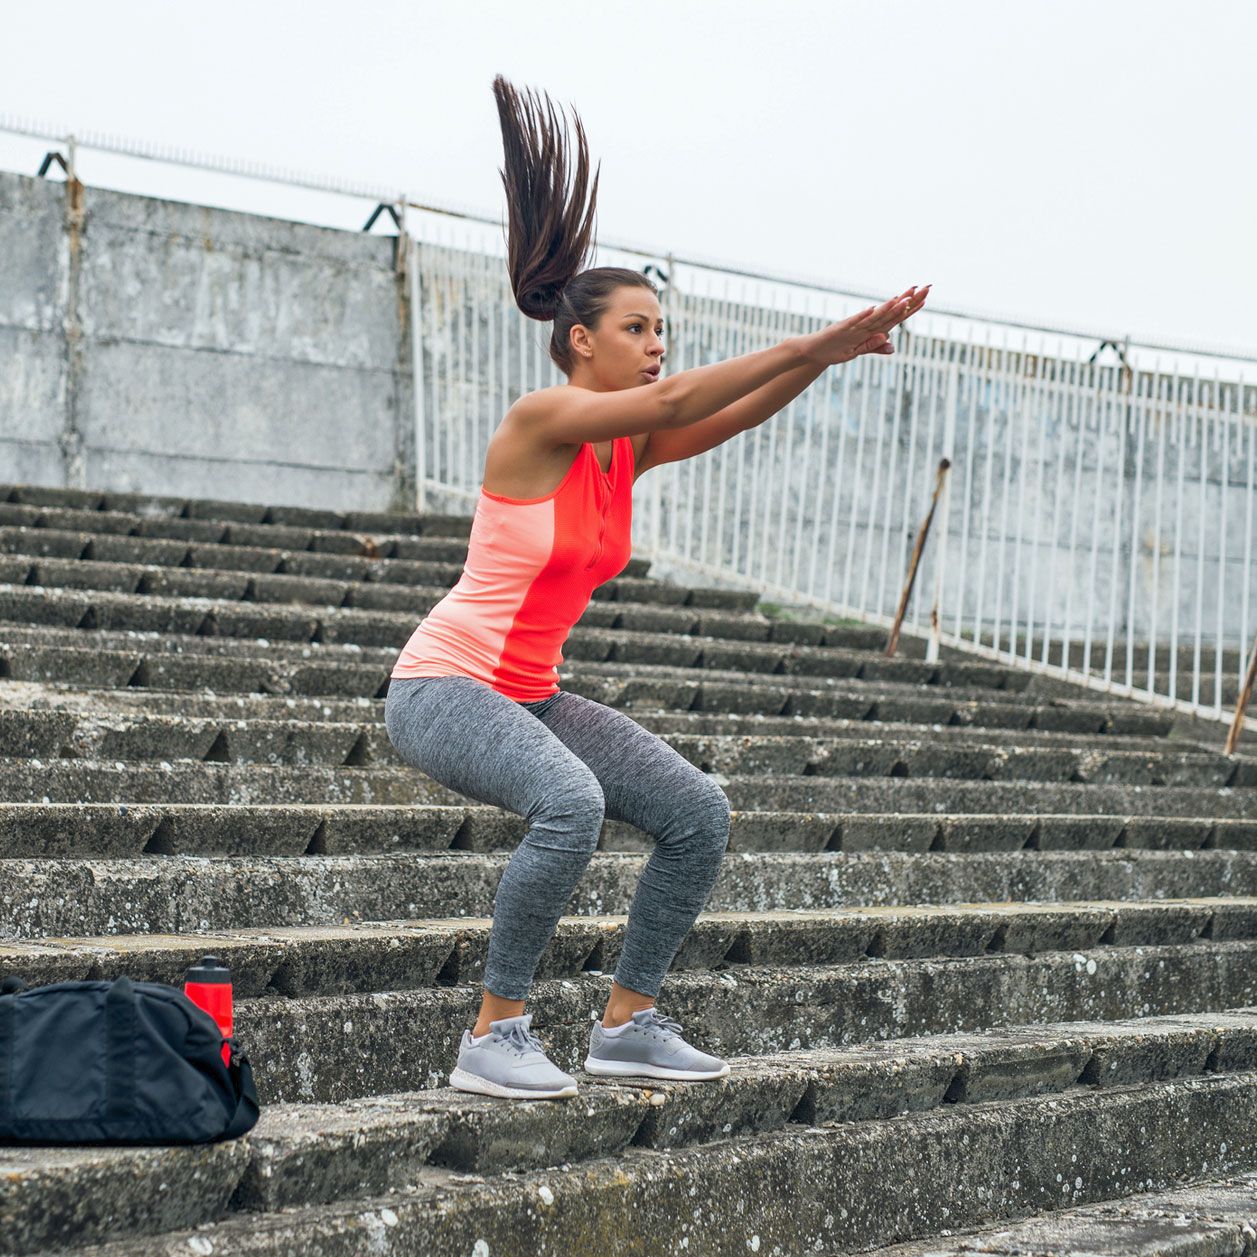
x,y
549,232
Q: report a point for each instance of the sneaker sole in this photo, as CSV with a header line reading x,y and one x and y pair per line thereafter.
x,y
622,1069
464,1081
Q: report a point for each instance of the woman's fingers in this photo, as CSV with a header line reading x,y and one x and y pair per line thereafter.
x,y
888,316
892,312
916,303
909,305
876,316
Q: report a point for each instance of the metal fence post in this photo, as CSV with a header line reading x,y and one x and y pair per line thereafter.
x,y
944,513
417,377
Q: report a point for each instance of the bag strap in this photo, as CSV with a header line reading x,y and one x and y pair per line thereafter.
x,y
8,1018
247,1111
120,1020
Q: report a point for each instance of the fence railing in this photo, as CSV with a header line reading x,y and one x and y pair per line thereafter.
x,y
1097,521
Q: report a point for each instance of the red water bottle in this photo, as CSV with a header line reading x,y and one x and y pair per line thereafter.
x,y
208,986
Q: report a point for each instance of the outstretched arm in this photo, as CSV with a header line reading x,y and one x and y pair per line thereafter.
x,y
671,445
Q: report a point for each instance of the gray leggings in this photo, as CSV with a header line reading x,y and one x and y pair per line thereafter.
x,y
564,763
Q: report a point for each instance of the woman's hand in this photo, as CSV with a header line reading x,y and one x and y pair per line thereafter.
x,y
863,333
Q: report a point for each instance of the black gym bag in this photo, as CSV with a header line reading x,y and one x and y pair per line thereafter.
x,y
117,1062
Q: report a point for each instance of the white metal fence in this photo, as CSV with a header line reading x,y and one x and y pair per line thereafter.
x,y
1097,520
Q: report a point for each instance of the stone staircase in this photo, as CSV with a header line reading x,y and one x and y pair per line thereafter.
x,y
982,952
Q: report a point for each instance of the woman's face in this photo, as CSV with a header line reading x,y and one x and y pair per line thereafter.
x,y
628,341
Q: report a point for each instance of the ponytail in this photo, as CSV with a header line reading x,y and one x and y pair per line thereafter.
x,y
550,232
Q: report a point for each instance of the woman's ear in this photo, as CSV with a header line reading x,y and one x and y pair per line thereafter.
x,y
579,340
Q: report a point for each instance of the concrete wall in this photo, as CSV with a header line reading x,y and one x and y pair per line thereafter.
x,y
162,347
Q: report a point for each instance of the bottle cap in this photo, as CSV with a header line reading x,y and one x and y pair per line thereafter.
x,y
210,969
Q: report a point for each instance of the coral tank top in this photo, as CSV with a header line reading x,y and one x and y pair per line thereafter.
x,y
532,565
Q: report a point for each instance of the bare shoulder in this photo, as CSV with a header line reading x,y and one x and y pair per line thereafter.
x,y
523,424
521,432
519,461
541,400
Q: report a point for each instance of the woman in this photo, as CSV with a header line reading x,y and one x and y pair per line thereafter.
x,y
474,700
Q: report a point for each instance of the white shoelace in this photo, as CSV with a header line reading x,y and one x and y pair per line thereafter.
x,y
657,1021
521,1039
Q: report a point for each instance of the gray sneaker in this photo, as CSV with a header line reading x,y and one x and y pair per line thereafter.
x,y
650,1044
510,1062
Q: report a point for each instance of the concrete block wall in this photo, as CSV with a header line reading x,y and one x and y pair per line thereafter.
x,y
156,346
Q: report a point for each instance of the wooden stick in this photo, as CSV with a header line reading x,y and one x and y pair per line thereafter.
x,y
922,533
1246,693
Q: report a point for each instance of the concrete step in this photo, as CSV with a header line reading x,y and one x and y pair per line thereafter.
x,y
328,1048
1210,1218
801,1188
152,506
332,1047
57,1195
252,616
337,570
93,830
33,779
370,956
903,751
299,529
387,574
116,538
184,893
306,1154
866,1082
69,661
131,533
98,609
403,586
961,722
131,710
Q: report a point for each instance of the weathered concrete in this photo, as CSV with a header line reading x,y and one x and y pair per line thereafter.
x,y
174,894
66,725
305,1154
1212,1219
101,737
823,1188
401,955
973,923
949,720
45,657
281,349
53,1196
86,830
328,1048
166,517
127,610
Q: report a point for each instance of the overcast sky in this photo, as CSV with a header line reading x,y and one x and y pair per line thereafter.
x,y
1085,163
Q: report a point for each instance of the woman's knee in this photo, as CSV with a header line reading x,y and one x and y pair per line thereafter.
x,y
570,816
709,817
721,818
